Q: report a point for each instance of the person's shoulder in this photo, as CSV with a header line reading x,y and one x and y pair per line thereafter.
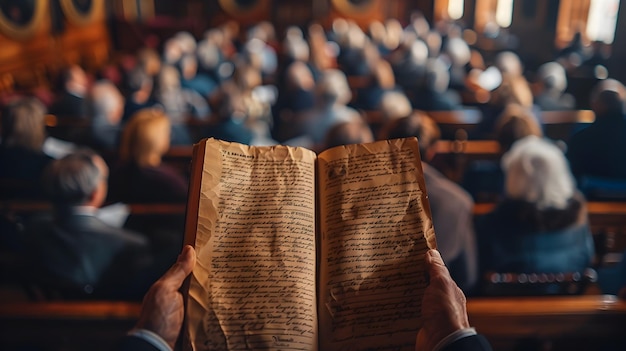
x,y
470,343
134,343
439,183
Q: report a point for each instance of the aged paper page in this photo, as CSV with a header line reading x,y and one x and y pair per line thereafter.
x,y
375,228
253,287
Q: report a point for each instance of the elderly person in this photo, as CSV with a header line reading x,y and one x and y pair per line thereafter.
x,y
77,254
552,81
541,226
179,104
108,108
22,159
434,93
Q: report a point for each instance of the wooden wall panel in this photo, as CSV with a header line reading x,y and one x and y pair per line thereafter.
x,y
33,61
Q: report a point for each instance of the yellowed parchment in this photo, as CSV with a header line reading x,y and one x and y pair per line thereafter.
x,y
253,287
375,228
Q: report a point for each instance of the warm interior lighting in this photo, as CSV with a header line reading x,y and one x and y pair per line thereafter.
x,y
455,9
504,13
602,20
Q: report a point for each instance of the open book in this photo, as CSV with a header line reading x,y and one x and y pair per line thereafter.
x,y
303,252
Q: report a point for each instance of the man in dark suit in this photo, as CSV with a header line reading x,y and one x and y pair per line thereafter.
x,y
78,254
446,325
73,100
599,149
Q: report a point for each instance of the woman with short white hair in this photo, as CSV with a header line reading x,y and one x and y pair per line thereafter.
x,y
541,226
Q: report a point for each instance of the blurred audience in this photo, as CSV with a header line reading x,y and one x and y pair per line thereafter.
x,y
599,149
22,159
332,96
139,89
179,104
551,94
433,94
596,153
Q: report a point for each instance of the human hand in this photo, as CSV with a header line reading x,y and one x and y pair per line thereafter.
x,y
443,305
162,310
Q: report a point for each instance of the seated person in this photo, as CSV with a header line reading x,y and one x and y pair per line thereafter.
x,y
193,80
139,86
541,225
22,159
484,179
450,205
78,255
552,84
380,79
179,104
73,100
434,93
446,325
107,106
141,177
596,153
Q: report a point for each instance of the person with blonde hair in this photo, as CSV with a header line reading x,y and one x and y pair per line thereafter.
x,y
22,159
541,226
141,176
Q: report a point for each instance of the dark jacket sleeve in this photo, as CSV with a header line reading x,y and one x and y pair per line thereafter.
x,y
134,343
470,343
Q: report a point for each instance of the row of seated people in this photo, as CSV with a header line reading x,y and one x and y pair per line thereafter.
x,y
240,106
540,209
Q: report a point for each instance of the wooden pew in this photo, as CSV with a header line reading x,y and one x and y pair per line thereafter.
x,y
608,224
569,323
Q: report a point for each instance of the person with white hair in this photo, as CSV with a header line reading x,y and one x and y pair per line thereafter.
x,y
541,225
108,108
552,81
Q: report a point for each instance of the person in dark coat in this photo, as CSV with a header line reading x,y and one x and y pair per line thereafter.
x,y
77,255
22,159
73,99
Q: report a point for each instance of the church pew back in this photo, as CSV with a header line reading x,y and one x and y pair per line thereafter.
x,y
568,322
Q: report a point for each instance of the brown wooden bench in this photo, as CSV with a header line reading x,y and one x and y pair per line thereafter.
x,y
569,323
608,224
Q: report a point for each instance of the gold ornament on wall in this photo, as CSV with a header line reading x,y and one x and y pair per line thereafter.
x,y
351,7
20,19
237,7
83,12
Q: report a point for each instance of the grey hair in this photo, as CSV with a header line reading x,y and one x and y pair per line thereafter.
x,y
72,179
333,87
553,76
106,98
537,172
